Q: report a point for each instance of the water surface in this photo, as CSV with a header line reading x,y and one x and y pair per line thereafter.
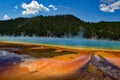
x,y
66,42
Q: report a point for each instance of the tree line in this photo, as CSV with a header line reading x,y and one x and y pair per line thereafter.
x,y
59,26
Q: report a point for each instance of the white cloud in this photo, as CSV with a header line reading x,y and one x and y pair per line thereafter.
x,y
16,7
6,17
33,8
110,7
53,7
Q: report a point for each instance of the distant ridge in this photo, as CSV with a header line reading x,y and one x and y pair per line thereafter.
x,y
59,26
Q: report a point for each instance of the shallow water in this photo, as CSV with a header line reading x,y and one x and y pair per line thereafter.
x,y
21,67
66,42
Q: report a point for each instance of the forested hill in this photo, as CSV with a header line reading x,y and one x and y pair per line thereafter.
x,y
55,26
59,26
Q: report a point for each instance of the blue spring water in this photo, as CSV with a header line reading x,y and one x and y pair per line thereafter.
x,y
77,42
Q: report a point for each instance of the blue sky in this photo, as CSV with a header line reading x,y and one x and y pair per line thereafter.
x,y
87,10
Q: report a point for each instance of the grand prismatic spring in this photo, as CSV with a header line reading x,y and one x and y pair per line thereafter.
x,y
59,39
27,61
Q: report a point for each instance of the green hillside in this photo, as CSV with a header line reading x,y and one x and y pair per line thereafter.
x,y
59,26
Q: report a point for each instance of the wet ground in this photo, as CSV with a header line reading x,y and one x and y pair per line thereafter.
x,y
42,62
